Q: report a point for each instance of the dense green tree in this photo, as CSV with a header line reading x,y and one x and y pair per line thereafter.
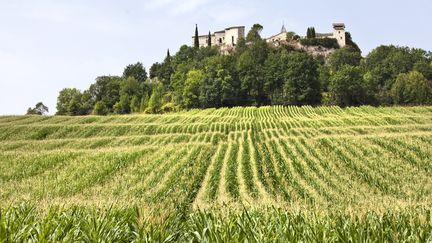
x,y
87,103
196,39
324,75
250,69
107,90
39,109
310,33
135,104
384,64
136,71
218,87
100,108
347,87
178,81
275,68
255,33
166,70
155,70
123,105
425,68
411,89
144,103
342,57
349,42
209,42
69,102
191,91
130,87
155,102
301,86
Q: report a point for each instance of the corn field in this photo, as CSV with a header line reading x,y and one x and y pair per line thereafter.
x,y
257,174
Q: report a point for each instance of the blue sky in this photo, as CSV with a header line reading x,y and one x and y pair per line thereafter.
x,y
47,45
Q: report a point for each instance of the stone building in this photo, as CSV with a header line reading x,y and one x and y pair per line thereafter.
x,y
227,38
338,34
276,39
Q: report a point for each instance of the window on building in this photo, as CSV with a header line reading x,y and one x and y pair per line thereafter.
x,y
220,40
232,39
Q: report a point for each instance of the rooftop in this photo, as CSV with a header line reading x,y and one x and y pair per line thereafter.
x,y
339,25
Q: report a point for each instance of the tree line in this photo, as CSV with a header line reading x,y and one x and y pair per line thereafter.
x,y
256,75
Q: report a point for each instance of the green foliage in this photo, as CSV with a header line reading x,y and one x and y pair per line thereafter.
x,y
136,71
301,85
412,89
155,101
310,33
191,91
107,90
196,39
349,42
123,105
275,76
24,223
347,87
342,57
291,35
425,68
39,109
250,69
69,102
324,42
100,108
254,34
384,64
293,169
254,74
218,87
144,102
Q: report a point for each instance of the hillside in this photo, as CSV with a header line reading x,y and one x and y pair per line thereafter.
x,y
355,159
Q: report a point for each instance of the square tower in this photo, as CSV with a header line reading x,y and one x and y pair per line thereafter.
x,y
339,33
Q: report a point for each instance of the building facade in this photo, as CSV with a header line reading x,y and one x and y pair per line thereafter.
x,y
338,34
226,38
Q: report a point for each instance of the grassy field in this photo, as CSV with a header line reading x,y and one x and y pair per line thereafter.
x,y
257,174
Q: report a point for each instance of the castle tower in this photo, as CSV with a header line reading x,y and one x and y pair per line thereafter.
x,y
339,33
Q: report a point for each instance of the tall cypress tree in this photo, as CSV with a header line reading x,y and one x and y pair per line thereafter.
x,y
308,33
209,39
196,40
313,34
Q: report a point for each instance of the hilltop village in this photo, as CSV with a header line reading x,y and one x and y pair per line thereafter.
x,y
324,44
235,67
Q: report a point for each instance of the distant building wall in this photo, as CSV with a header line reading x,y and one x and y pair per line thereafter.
x,y
229,36
339,34
277,38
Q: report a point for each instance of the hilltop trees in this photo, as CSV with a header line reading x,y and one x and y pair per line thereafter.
x,y
310,33
257,74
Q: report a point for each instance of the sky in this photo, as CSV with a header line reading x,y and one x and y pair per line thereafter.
x,y
48,45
